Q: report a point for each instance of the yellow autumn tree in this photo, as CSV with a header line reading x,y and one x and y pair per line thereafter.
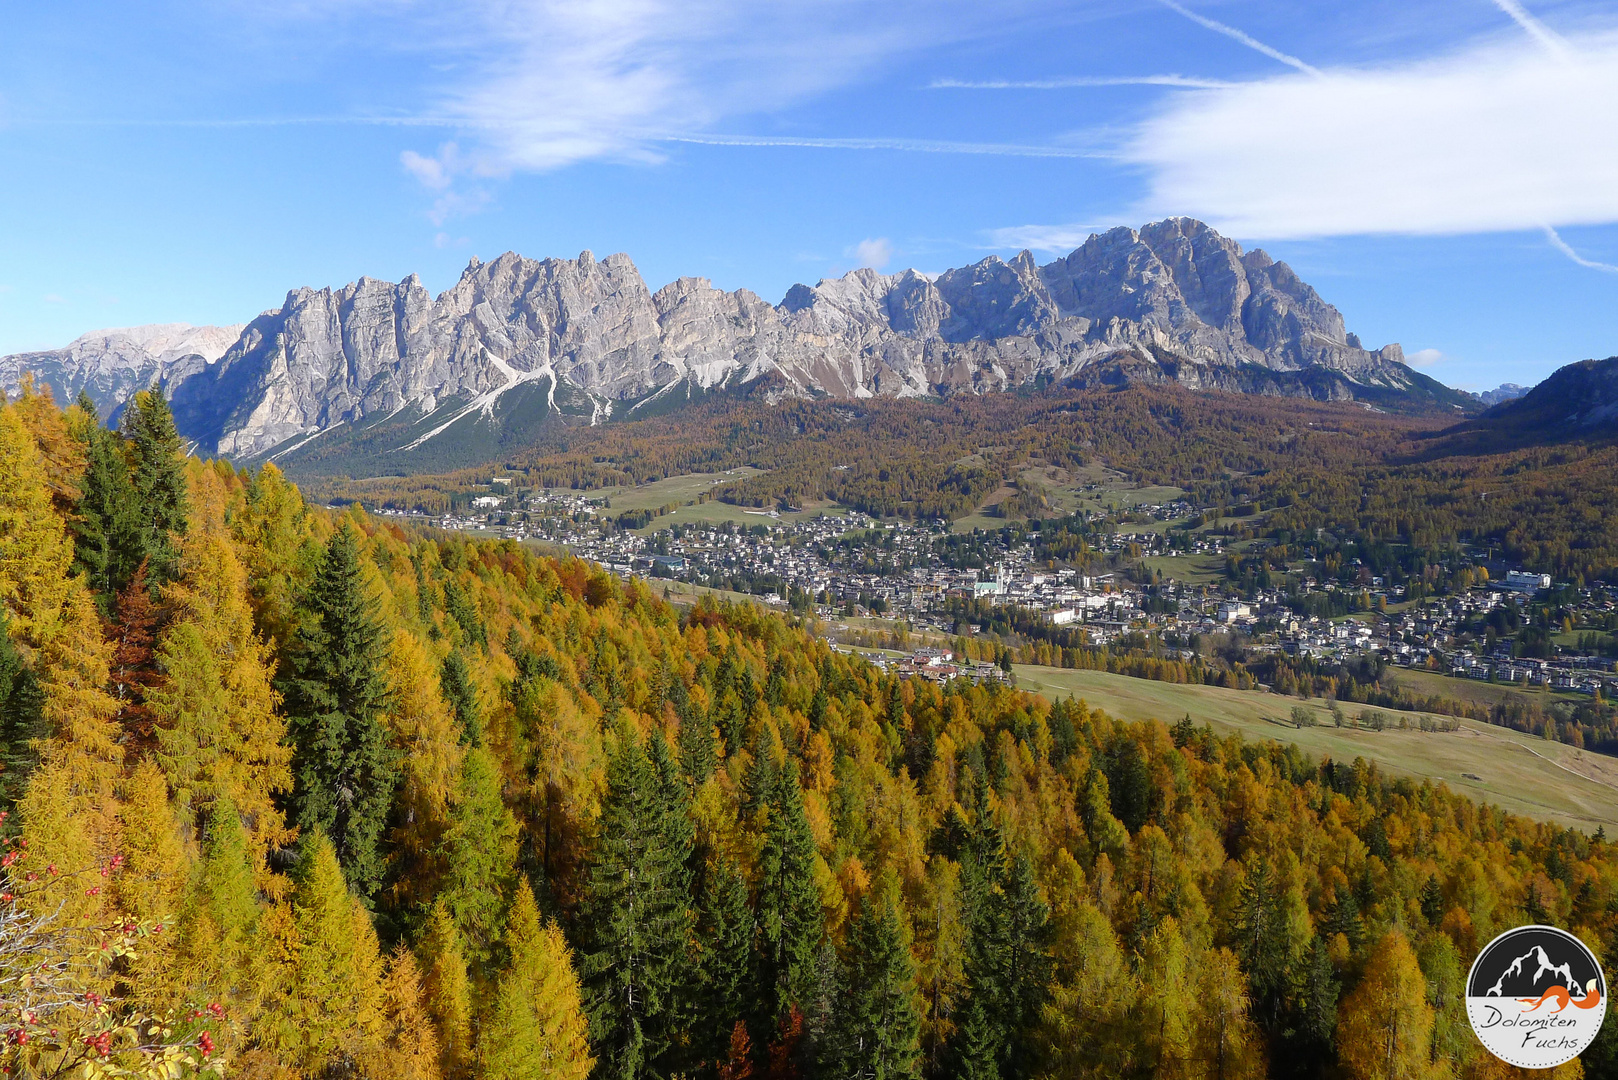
x,y
448,990
218,729
70,808
409,1049
1225,1042
536,1030
151,885
1384,1029
423,730
1165,1009
333,1006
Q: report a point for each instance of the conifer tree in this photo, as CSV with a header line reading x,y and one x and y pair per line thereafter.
x,y
790,917
345,770
536,1029
725,928
1008,961
22,719
759,785
69,809
159,480
107,539
637,918
463,609
697,756
1310,1039
448,991
335,1005
409,1047
462,697
876,1033
152,884
220,915
1384,1030
1262,943
219,729
480,854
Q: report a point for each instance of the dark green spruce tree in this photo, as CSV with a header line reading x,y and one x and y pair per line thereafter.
x,y
456,682
876,1031
345,770
106,534
1261,944
789,913
636,921
159,479
1007,954
725,930
22,719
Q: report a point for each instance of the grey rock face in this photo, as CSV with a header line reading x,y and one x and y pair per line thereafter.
x,y
110,365
1173,301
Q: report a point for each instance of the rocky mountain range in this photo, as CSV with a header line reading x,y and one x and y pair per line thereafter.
x,y
518,344
1578,400
110,365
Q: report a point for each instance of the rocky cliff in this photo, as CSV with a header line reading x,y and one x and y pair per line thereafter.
x,y
110,365
518,343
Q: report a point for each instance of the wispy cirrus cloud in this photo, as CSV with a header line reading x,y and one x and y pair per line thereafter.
x,y
554,82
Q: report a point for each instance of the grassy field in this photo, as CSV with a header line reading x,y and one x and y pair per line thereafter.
x,y
1191,569
685,489
1066,490
1431,683
718,513
676,489
1542,780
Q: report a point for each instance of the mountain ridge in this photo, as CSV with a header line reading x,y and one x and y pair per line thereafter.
x,y
1171,302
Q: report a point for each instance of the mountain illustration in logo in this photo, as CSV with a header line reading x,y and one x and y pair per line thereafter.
x,y
1529,961
1560,975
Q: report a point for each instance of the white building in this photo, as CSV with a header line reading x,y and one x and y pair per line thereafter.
x,y
1525,582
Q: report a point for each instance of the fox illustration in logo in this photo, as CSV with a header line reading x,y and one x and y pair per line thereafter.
x,y
1559,994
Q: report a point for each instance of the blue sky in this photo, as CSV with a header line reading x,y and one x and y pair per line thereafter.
x,y
1446,173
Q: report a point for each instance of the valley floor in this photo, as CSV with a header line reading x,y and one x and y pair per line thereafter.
x,y
1547,781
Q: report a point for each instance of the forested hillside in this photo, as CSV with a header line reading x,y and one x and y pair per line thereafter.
x,y
293,793
1549,503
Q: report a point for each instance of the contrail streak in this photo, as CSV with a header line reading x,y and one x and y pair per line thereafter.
x,y
922,146
1246,39
1553,42
1190,81
1566,249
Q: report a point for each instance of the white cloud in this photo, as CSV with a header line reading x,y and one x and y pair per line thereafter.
x,y
875,253
54,298
1425,357
1498,136
560,81
1060,239
435,173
